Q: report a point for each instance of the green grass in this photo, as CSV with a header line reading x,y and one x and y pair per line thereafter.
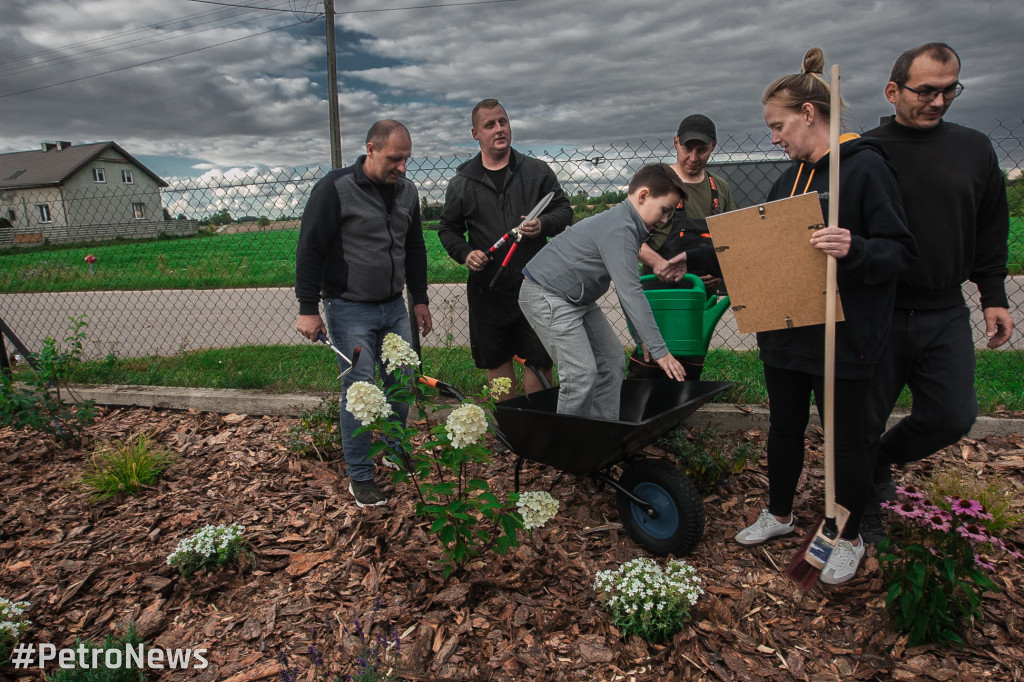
x,y
1015,260
313,369
211,261
202,261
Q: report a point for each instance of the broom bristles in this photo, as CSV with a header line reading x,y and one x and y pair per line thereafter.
x,y
804,574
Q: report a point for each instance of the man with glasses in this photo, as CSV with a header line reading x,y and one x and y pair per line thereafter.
x,y
955,199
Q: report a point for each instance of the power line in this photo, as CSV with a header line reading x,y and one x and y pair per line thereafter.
x,y
151,61
228,4
163,25
402,9
92,53
235,40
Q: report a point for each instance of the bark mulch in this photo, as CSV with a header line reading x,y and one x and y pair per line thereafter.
x,y
318,561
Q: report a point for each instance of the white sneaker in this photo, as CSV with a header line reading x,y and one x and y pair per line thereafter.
x,y
842,564
765,528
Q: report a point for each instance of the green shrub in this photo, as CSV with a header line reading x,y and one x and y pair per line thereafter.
x,y
317,431
210,547
708,457
45,402
125,467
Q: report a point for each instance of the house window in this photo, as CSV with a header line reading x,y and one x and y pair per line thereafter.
x,y
11,215
126,177
98,175
44,213
139,210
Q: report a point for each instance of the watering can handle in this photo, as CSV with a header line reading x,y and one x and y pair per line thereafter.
x,y
693,279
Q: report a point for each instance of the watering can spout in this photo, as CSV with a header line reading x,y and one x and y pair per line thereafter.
x,y
716,307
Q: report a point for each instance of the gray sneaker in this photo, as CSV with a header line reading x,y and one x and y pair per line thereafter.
x,y
843,562
765,528
367,493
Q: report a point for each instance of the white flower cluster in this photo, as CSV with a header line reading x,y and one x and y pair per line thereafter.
x,y
641,585
537,507
366,402
12,619
208,541
500,386
466,425
397,353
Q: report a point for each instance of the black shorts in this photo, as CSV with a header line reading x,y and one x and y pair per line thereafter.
x,y
498,330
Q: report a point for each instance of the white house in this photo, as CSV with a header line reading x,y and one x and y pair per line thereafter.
x,y
68,193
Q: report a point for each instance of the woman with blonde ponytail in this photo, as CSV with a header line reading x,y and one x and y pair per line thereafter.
x,y
872,247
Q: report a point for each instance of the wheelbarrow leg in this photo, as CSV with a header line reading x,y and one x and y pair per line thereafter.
x,y
643,504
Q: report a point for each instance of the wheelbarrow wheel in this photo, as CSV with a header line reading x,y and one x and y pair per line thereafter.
x,y
678,524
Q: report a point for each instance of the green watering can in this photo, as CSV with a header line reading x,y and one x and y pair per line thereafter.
x,y
686,317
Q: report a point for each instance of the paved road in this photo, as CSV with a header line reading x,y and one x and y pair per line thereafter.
x,y
165,322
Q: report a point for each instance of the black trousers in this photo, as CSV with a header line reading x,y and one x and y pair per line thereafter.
x,y
932,352
789,403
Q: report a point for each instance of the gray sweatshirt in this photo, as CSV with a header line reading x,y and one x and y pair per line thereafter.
x,y
580,263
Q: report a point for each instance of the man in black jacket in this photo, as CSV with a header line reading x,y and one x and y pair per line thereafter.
x,y
955,199
489,195
360,244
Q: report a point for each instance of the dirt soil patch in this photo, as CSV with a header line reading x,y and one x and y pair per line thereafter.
x,y
320,562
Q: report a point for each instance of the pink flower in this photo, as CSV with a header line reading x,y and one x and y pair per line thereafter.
x,y
908,510
962,507
978,559
911,492
936,521
973,532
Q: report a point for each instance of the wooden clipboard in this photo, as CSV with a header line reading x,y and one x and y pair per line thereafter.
x,y
776,279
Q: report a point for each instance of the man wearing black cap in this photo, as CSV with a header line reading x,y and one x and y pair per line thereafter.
x,y
707,194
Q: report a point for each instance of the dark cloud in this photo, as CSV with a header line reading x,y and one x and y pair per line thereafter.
x,y
571,72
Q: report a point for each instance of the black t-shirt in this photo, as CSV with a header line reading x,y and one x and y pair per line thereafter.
x,y
387,194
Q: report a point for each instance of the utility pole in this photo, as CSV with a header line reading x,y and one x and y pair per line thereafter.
x,y
332,86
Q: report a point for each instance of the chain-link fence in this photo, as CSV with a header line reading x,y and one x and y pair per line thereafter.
x,y
210,263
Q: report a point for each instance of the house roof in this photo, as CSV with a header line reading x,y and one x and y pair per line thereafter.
x,y
55,166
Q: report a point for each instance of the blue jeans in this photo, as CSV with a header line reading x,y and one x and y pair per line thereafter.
x,y
586,348
354,324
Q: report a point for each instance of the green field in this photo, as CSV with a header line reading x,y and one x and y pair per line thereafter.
x,y
204,261
213,261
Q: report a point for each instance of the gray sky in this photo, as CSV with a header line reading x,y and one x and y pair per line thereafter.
x,y
570,72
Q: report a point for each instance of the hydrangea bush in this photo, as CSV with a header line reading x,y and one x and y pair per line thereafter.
x,y
210,547
935,560
13,624
645,600
464,513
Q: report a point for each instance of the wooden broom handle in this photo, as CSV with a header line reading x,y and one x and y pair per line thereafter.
x,y
830,298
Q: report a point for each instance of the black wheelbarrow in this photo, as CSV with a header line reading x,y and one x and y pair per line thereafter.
x,y
659,505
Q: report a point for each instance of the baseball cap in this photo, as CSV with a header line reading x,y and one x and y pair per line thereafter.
x,y
697,127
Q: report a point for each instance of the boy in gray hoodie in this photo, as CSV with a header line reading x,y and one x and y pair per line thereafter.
x,y
567,277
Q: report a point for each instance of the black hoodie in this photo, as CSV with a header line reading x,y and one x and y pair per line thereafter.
x,y
881,248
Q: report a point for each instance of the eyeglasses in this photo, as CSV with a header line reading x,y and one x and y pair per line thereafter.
x,y
929,94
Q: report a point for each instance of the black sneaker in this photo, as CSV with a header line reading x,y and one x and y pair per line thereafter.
x,y
367,493
872,530
884,486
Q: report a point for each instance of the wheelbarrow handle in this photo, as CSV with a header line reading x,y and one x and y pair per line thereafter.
x,y
533,368
450,390
447,389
